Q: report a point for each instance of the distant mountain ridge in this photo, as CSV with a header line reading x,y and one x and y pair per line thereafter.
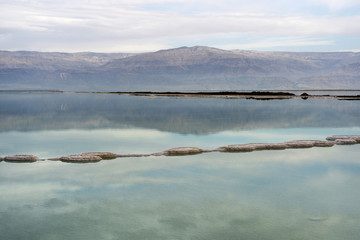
x,y
184,68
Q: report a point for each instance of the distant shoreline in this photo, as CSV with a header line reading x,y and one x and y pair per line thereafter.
x,y
257,95
247,94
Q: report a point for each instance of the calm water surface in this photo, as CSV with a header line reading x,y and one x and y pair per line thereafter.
x,y
289,194
52,125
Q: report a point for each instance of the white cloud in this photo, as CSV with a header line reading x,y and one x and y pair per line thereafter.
x,y
335,5
150,25
278,42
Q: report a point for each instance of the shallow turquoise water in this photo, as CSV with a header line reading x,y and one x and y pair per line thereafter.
x,y
286,194
290,194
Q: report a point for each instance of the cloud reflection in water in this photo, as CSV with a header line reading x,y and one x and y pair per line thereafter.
x,y
290,194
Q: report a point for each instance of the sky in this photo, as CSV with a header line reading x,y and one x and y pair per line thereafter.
x,y
151,25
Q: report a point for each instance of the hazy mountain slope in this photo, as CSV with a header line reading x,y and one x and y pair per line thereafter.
x,y
184,68
204,59
55,61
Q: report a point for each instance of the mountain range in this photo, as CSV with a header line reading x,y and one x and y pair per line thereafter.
x,y
184,68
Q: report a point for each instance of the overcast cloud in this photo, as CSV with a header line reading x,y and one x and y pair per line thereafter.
x,y
139,25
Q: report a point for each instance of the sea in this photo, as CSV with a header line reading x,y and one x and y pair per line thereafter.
x,y
310,193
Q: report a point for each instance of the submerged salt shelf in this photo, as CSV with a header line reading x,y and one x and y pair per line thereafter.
x,y
181,151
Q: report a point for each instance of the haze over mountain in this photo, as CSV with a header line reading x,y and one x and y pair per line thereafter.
x,y
184,68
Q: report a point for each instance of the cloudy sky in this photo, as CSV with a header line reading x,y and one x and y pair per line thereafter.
x,y
150,25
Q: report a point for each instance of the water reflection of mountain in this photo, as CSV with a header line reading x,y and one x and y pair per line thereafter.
x,y
27,112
